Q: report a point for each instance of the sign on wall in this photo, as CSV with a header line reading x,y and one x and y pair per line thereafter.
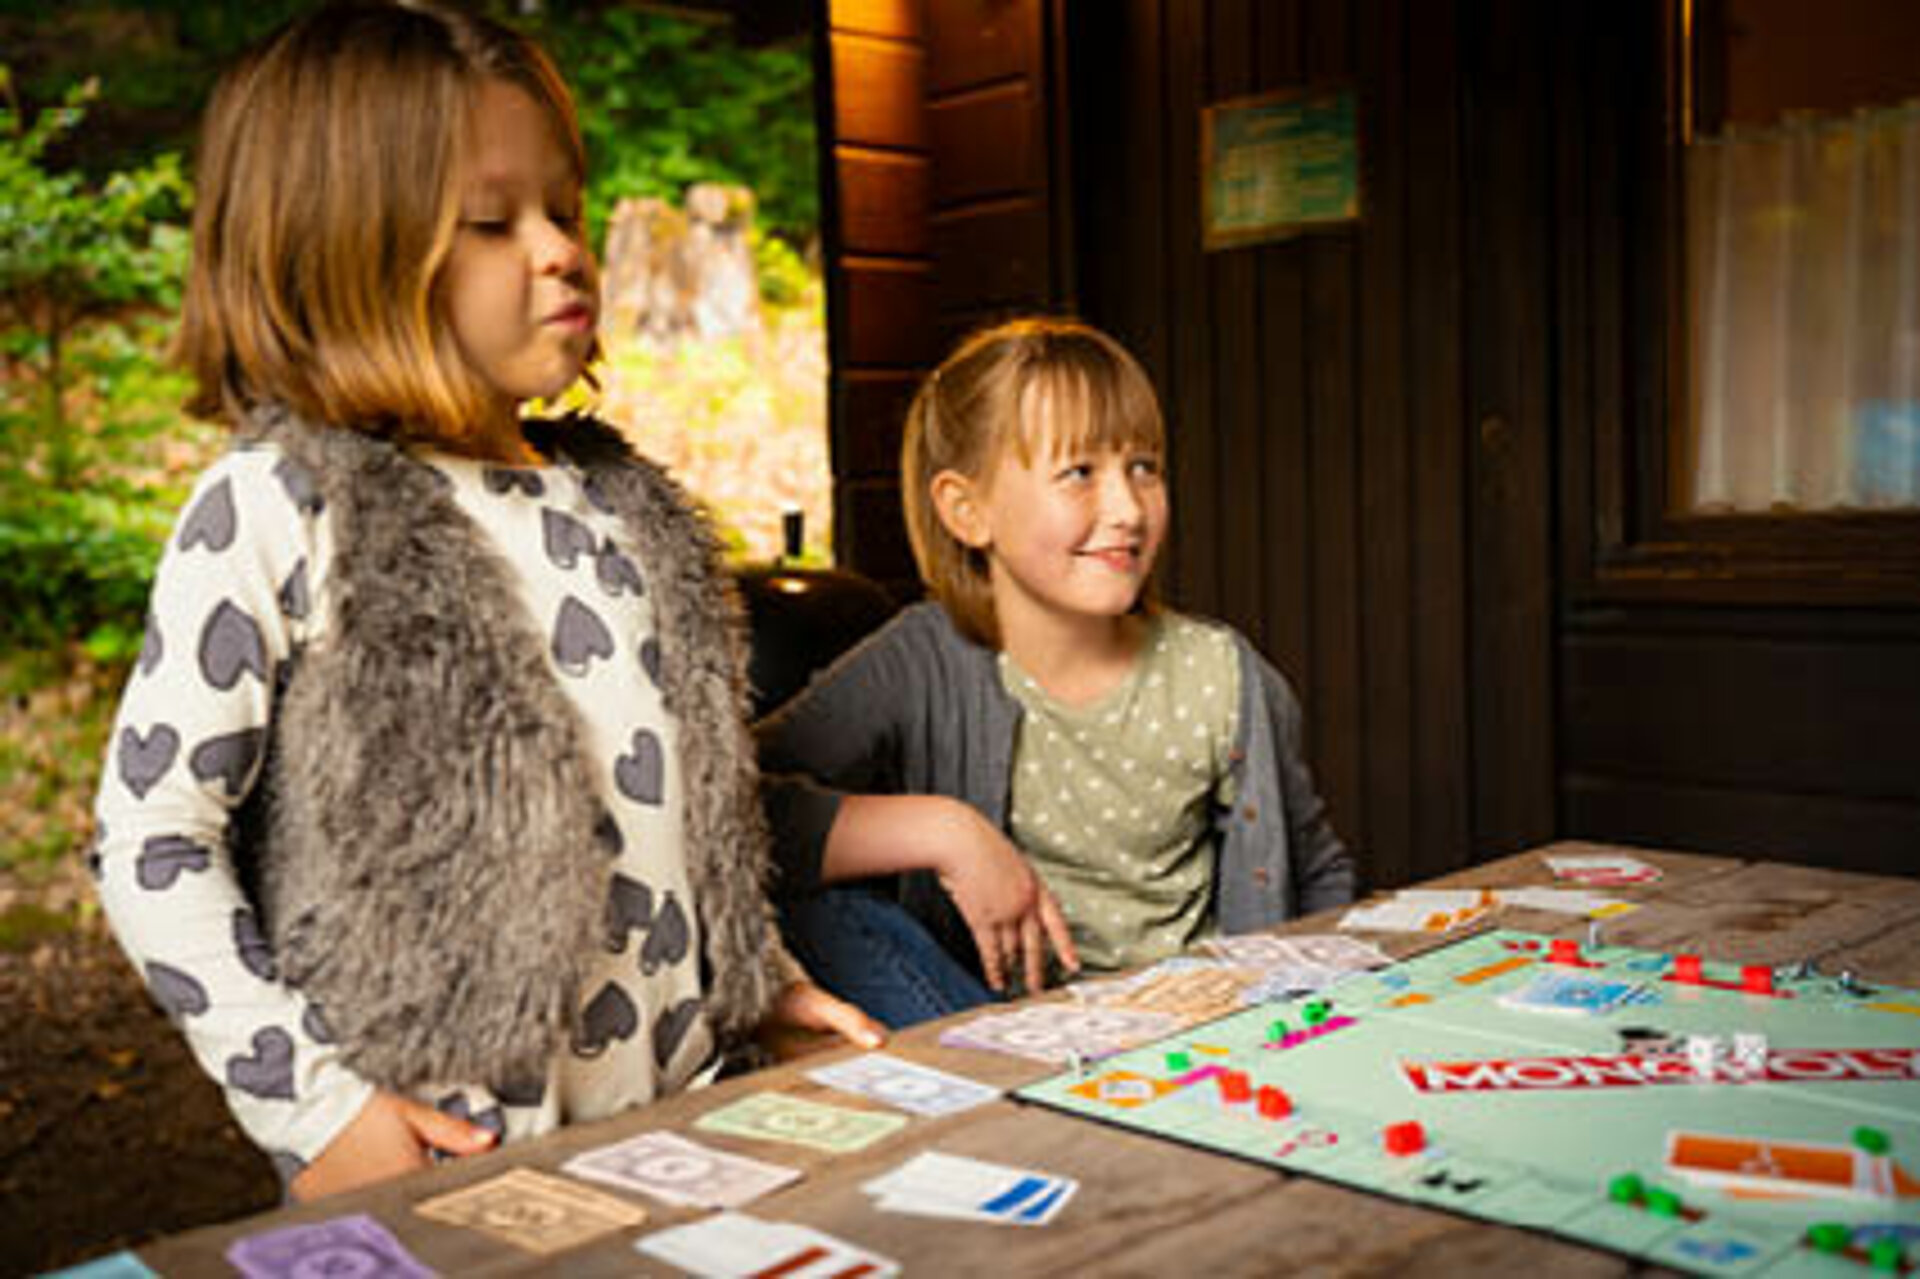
x,y
1275,165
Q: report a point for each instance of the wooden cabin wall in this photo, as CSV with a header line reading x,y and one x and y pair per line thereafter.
x,y
1316,389
1709,696
1405,452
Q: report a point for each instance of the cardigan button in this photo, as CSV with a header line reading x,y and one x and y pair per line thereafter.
x,y
1235,755
1260,875
1250,812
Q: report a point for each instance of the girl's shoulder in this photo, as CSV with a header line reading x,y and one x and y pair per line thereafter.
x,y
258,476
1189,630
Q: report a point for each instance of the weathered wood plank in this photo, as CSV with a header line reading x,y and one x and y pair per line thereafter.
x,y
988,144
898,18
877,93
1769,913
883,202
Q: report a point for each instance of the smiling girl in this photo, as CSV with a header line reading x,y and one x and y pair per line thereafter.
x,y
430,813
1053,761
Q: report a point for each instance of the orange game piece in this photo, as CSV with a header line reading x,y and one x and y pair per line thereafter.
x,y
1234,1085
1406,1138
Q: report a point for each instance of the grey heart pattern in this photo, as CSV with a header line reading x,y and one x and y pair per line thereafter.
x,y
522,1092
212,522
164,857
616,572
256,953
267,1072
629,909
294,601
314,1022
231,645
609,1016
668,940
144,760
286,1165
579,636
151,647
671,1030
564,538
641,774
493,1119
606,832
178,994
228,759
595,487
499,479
297,480
650,659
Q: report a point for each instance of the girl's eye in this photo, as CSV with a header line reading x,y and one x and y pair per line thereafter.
x,y
1076,472
1145,467
486,226
567,220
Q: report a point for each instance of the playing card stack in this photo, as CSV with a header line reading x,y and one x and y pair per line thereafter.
x,y
732,1245
1061,1033
677,1171
937,1185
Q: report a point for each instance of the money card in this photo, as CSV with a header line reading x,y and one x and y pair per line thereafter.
x,y
906,1084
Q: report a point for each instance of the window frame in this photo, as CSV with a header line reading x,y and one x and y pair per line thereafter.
x,y
1623,121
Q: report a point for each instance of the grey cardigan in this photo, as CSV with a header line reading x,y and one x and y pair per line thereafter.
x,y
918,709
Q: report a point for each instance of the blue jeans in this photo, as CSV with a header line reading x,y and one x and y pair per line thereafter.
x,y
872,952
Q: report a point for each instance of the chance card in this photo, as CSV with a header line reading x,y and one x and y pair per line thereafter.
x,y
678,1171
534,1211
906,1084
732,1245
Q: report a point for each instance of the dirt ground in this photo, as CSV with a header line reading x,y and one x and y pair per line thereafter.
x,y
109,1132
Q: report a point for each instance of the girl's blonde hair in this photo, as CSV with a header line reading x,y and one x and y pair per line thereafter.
x,y
327,201
1035,387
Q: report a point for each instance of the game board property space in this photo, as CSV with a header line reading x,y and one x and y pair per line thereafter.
x,y
1540,1104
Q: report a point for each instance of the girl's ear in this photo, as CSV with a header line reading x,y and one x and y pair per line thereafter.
x,y
957,501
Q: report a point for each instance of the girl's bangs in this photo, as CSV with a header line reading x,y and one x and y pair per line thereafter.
x,y
1082,407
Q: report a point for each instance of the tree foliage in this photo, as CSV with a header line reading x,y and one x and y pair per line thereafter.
x,y
666,102
73,250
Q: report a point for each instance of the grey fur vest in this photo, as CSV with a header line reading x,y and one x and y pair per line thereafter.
x,y
426,844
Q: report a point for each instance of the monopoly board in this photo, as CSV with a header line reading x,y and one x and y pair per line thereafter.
x,y
1620,1098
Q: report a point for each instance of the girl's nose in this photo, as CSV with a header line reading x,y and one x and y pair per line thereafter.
x,y
1120,505
557,251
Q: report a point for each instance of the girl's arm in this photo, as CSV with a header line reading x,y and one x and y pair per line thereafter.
x,y
234,590
833,769
1009,910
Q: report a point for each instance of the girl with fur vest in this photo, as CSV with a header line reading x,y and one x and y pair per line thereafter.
x,y
429,813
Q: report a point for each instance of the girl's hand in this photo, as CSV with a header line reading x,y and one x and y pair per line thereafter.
x,y
1011,912
391,1135
804,1011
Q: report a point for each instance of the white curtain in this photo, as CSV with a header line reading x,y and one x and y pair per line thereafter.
x,y
1803,286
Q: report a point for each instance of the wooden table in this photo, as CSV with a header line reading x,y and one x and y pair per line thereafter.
x,y
1147,1207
